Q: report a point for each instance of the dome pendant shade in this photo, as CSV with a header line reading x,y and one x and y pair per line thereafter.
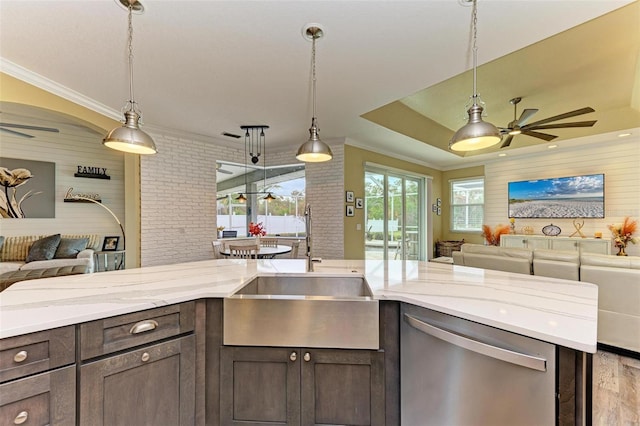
x,y
129,137
476,134
314,150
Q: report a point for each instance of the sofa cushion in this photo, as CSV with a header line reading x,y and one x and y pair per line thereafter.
x,y
1,241
70,247
44,248
9,278
10,266
55,263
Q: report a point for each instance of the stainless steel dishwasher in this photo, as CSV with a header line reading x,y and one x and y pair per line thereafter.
x,y
458,372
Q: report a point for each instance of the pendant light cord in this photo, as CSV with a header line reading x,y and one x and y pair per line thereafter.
x,y
474,29
313,73
130,43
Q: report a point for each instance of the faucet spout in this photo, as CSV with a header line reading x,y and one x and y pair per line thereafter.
x,y
307,225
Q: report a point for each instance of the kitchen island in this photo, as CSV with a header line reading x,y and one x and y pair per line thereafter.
x,y
559,312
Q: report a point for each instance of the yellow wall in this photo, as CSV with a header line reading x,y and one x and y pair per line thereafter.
x,y
447,235
17,91
354,162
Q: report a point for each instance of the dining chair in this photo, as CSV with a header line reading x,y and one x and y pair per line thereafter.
x,y
244,251
294,249
217,246
269,242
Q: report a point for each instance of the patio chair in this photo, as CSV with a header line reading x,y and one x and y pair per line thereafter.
x,y
269,242
294,249
244,251
217,246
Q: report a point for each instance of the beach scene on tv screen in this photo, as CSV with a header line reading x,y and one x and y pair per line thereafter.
x,y
568,197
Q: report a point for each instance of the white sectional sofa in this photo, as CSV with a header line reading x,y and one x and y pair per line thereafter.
x,y
617,278
14,252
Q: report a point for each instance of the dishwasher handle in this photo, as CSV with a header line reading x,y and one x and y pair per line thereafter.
x,y
524,360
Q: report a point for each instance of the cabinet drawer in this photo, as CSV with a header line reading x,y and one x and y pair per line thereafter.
x,y
36,352
44,399
126,331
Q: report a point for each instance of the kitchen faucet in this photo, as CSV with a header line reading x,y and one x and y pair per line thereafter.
x,y
307,226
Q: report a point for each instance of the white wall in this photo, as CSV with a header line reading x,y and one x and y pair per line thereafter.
x,y
72,147
618,159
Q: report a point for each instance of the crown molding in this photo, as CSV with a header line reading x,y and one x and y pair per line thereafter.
x,y
356,144
41,82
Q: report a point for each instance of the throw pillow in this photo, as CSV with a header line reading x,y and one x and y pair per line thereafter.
x,y
70,247
44,248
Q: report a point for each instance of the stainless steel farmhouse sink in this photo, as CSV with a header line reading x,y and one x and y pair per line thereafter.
x,y
302,311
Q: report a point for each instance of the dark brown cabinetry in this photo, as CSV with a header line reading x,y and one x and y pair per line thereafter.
x,y
139,368
36,388
292,386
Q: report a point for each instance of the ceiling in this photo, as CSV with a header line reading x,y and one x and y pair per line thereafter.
x,y
392,76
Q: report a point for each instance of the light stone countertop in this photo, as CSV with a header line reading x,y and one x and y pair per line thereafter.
x,y
557,311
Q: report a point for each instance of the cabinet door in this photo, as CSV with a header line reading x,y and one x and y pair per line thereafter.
x,y
153,385
597,246
517,241
44,399
342,387
259,386
536,243
565,244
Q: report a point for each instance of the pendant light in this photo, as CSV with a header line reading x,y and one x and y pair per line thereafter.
x,y
129,137
314,150
476,134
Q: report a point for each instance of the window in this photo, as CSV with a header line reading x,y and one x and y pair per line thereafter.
x,y
467,204
283,216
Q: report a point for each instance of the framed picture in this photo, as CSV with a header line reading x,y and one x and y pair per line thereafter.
x,y
434,208
350,211
439,211
438,202
359,203
110,243
349,197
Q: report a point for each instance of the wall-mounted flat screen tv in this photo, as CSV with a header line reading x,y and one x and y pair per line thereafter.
x,y
567,197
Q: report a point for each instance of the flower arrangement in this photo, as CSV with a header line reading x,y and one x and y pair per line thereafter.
x,y
493,238
220,228
257,229
623,233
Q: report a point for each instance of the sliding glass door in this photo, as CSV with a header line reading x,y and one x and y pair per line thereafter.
x,y
394,215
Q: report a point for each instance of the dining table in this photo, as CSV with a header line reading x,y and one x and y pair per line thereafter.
x,y
264,252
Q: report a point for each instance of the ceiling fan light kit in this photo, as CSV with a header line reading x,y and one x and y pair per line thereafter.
x,y
129,137
314,150
476,134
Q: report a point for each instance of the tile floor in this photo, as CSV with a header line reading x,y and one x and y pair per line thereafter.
x,y
616,390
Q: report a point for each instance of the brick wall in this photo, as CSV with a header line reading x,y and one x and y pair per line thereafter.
x,y
178,199
325,194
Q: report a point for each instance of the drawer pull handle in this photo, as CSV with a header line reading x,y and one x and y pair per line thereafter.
x,y
20,356
142,326
307,356
145,357
21,418
293,356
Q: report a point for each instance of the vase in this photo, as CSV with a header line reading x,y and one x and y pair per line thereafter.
x,y
621,251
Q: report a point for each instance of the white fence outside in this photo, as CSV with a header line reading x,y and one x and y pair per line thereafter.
x,y
272,224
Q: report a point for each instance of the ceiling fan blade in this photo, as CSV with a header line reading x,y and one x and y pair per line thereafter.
x,y
14,133
562,116
525,116
507,141
26,127
547,137
564,125
221,170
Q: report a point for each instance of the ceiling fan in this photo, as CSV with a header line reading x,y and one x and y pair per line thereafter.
x,y
221,170
518,125
3,128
